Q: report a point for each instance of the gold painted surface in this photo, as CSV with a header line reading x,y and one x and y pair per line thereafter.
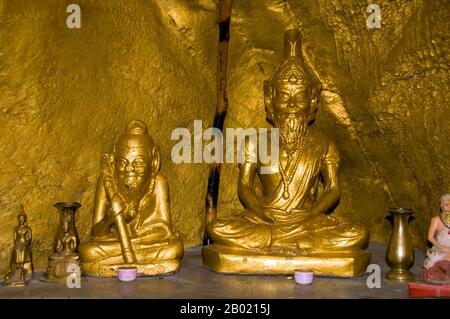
x,y
392,129
287,218
226,260
66,94
132,224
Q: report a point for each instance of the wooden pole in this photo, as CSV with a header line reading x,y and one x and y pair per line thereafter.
x,y
221,111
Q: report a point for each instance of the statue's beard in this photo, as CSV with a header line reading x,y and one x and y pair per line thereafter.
x,y
132,189
292,130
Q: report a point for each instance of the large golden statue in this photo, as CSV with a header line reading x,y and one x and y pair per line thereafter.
x,y
287,226
132,224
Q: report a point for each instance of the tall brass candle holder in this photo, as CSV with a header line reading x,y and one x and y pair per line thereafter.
x,y
400,251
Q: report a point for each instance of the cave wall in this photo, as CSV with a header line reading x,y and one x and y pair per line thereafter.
x,y
67,94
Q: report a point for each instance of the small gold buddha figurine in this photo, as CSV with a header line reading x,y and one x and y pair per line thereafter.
x,y
132,224
66,244
21,269
437,264
65,255
287,226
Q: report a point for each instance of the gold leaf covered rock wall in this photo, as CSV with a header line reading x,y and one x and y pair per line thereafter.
x,y
67,94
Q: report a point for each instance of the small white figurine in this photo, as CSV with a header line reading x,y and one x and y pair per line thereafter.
x,y
437,264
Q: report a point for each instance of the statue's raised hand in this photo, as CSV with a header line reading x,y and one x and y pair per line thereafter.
x,y
118,205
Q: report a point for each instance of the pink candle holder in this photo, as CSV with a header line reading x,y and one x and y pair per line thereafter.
x,y
304,276
127,273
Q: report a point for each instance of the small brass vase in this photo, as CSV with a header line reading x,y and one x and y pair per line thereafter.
x,y
400,251
67,214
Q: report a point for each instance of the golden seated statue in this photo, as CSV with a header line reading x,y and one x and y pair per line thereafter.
x,y
132,224
287,226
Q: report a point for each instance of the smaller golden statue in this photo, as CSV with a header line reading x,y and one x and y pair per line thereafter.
x,y
437,264
132,225
66,244
21,269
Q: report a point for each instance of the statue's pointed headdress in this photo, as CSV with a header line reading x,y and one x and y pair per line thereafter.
x,y
293,69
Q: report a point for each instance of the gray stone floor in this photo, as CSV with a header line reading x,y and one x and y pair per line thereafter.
x,y
193,281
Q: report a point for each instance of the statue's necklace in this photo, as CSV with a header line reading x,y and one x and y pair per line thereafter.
x,y
288,179
445,224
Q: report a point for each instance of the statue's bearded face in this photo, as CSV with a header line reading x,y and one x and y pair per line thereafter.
x,y
290,114
132,169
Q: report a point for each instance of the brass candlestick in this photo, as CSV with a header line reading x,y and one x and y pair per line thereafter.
x,y
400,252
